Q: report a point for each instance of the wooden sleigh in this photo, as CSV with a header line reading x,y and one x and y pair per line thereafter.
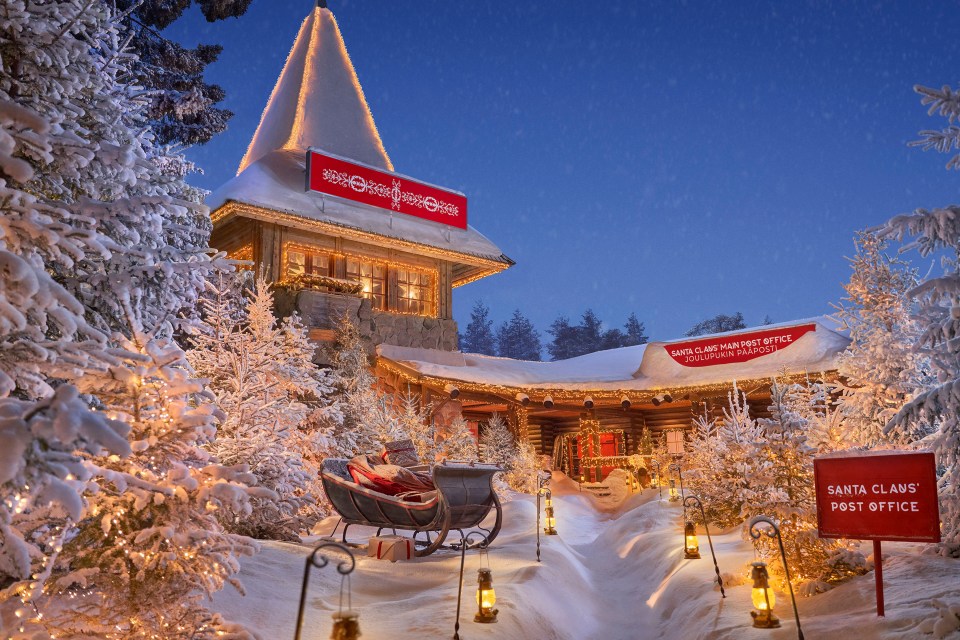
x,y
463,498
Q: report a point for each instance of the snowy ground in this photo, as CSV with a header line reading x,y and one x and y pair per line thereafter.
x,y
616,572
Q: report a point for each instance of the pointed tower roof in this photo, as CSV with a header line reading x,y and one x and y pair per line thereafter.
x,y
318,101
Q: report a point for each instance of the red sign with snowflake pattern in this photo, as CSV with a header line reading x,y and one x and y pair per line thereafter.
x,y
705,352
883,496
384,189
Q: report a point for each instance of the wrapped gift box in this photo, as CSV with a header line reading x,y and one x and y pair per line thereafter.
x,y
391,548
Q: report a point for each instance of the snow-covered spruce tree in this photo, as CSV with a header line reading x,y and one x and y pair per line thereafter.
x,y
937,408
414,421
182,107
151,548
720,460
521,474
497,443
88,218
944,102
357,415
457,442
261,374
780,485
42,333
881,368
827,429
478,337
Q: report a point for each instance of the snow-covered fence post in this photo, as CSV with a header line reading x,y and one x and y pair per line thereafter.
x,y
695,500
774,532
346,621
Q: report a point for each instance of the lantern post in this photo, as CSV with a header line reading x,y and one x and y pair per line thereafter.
x,y
657,472
543,479
774,532
486,598
692,499
345,623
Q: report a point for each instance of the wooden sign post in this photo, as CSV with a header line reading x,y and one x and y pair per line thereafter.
x,y
886,495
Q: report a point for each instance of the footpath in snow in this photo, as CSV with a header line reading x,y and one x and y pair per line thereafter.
x,y
615,572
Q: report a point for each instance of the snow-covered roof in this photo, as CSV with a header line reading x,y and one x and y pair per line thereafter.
x,y
276,182
318,101
640,368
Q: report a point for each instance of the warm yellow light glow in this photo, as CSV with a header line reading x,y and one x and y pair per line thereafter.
x,y
760,600
486,598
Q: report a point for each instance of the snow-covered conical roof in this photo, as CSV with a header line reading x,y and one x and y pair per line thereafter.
x,y
318,101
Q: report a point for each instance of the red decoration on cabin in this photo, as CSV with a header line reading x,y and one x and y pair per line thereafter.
x,y
705,352
384,189
890,496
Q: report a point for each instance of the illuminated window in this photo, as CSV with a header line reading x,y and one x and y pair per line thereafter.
x,y
674,442
373,277
416,292
307,263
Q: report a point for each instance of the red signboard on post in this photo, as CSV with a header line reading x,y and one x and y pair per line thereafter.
x,y
882,496
384,189
887,495
742,347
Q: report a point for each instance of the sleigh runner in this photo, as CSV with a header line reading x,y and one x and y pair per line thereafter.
x,y
461,498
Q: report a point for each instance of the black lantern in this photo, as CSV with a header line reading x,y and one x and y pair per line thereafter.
x,y
486,597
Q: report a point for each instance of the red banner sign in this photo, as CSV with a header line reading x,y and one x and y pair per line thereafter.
x,y
738,348
883,496
394,192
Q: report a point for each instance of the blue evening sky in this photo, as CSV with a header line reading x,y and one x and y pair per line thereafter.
x,y
676,160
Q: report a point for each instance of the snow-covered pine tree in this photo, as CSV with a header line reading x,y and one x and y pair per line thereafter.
x,y
521,474
182,106
497,443
944,102
151,549
42,476
723,452
881,368
81,192
518,339
414,421
357,414
264,382
937,408
827,429
780,485
478,337
457,442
